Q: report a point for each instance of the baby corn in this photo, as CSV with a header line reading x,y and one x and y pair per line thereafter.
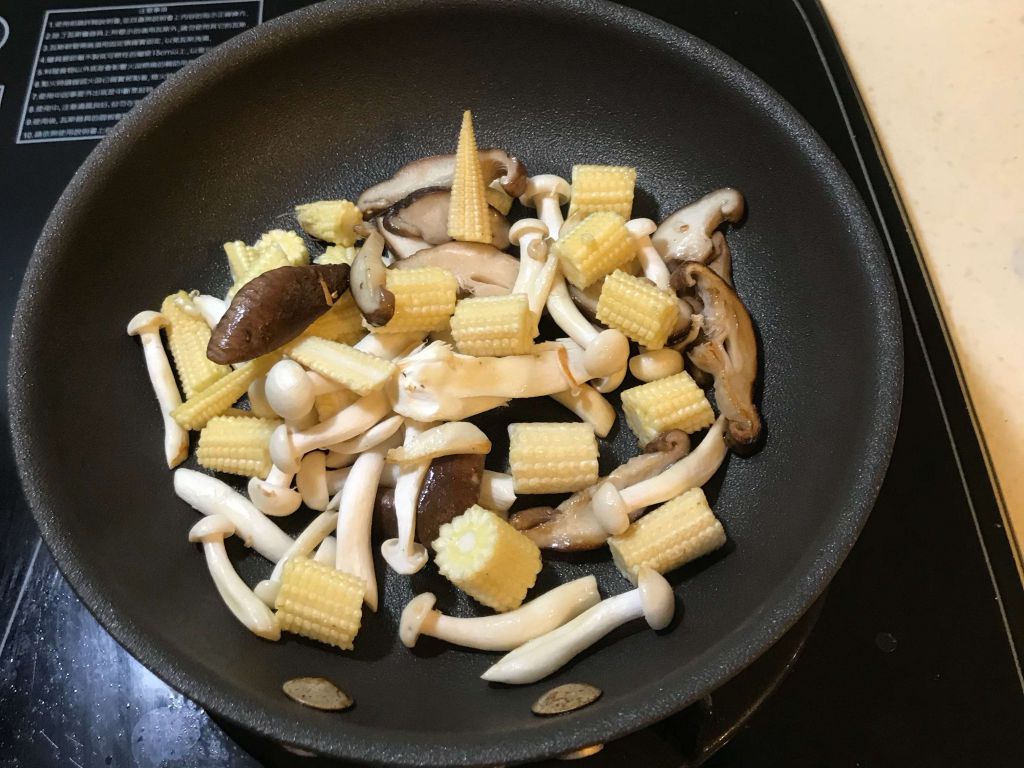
x,y
361,372
493,326
343,322
468,218
675,402
597,246
424,299
337,254
239,445
638,308
290,242
320,603
212,401
487,558
187,336
602,188
330,220
552,457
672,535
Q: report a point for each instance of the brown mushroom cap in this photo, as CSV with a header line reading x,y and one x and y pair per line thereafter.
x,y
369,282
422,216
438,171
274,308
727,349
480,269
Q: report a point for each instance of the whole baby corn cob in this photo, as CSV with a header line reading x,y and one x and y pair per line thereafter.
x,y
487,558
597,246
675,402
668,537
493,326
468,218
290,242
320,603
343,322
552,457
358,371
239,445
602,188
187,336
212,401
638,308
424,299
330,220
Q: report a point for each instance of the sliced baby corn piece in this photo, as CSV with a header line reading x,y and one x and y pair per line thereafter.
x,y
487,558
552,457
197,410
675,402
330,220
320,603
290,242
448,439
468,218
635,306
241,258
602,188
343,322
596,247
268,258
672,535
424,299
337,254
493,326
239,445
187,336
358,371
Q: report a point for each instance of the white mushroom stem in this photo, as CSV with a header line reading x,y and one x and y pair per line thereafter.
x,y
547,193
537,265
652,600
274,495
582,366
146,325
288,446
591,406
327,552
654,364
355,518
390,345
437,384
311,480
607,350
504,631
310,538
447,439
650,260
611,506
210,496
497,492
373,437
211,308
336,481
322,385
686,234
242,602
337,460
403,554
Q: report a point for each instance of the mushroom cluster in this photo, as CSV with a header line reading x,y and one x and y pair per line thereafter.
x,y
344,383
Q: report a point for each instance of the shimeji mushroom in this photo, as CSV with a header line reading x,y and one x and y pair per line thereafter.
x,y
290,392
373,437
210,496
309,539
614,508
437,384
447,439
242,602
311,480
355,518
327,552
686,234
654,364
650,260
147,325
403,554
211,308
590,405
572,525
288,446
497,492
582,367
547,193
652,600
504,631
274,495
538,267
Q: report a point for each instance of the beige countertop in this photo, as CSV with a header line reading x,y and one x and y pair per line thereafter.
x,y
943,81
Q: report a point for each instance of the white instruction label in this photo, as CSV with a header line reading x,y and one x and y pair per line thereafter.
x,y
93,64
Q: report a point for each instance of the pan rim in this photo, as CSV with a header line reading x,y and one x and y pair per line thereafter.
x,y
636,709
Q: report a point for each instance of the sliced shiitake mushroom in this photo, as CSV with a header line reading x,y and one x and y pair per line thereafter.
x,y
274,308
451,486
479,269
422,219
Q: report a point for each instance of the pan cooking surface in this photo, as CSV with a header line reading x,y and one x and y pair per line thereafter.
x,y
325,102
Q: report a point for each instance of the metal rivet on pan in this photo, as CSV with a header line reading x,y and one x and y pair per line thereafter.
x,y
566,698
318,693
579,754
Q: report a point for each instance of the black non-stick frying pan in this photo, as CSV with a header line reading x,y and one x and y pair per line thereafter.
x,y
321,104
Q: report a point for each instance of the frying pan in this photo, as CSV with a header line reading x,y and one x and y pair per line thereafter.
x,y
324,102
